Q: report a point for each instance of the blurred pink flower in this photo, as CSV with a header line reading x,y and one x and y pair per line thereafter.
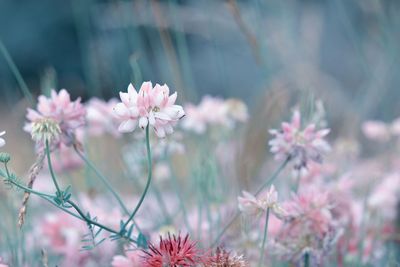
x,y
310,228
150,106
2,264
395,127
69,115
2,141
214,111
254,206
299,146
132,258
172,251
376,130
66,159
101,117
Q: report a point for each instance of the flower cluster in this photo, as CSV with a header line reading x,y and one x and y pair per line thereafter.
x,y
151,106
254,206
299,146
56,119
214,111
310,228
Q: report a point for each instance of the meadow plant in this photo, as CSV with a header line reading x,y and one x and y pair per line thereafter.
x,y
328,216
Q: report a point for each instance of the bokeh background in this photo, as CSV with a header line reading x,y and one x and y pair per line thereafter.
x,y
273,55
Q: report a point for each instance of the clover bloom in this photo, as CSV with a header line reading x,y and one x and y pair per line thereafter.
x,y
2,141
221,257
151,106
299,146
172,251
101,118
254,206
57,115
311,228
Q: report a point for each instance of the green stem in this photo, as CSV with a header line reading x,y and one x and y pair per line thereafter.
x,y
17,74
51,168
306,260
262,250
149,164
103,179
269,181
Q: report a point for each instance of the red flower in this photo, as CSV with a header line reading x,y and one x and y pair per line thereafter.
x,y
172,251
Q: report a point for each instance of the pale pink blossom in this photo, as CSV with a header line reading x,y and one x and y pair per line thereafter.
x,y
299,145
310,228
132,258
150,106
101,117
267,199
384,198
69,115
376,130
214,111
2,141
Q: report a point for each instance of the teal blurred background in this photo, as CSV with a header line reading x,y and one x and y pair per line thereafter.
x,y
348,49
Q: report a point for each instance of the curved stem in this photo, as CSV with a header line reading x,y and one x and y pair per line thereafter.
x,y
149,164
268,182
262,250
51,167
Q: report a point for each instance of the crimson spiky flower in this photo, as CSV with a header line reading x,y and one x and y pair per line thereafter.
x,y
173,251
223,258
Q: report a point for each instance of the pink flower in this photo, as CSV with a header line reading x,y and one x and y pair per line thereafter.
x,y
2,141
310,228
298,145
253,206
376,130
150,106
173,251
101,118
213,111
58,109
132,258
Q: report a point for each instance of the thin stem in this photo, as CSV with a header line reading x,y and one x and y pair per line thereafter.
x,y
103,179
269,181
262,250
51,167
149,164
306,260
17,74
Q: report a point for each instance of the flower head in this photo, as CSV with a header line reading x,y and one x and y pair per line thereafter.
x,y
45,130
150,106
2,141
254,206
223,258
172,251
298,145
57,115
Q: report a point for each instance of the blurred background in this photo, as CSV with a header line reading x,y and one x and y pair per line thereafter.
x,y
273,55
347,49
